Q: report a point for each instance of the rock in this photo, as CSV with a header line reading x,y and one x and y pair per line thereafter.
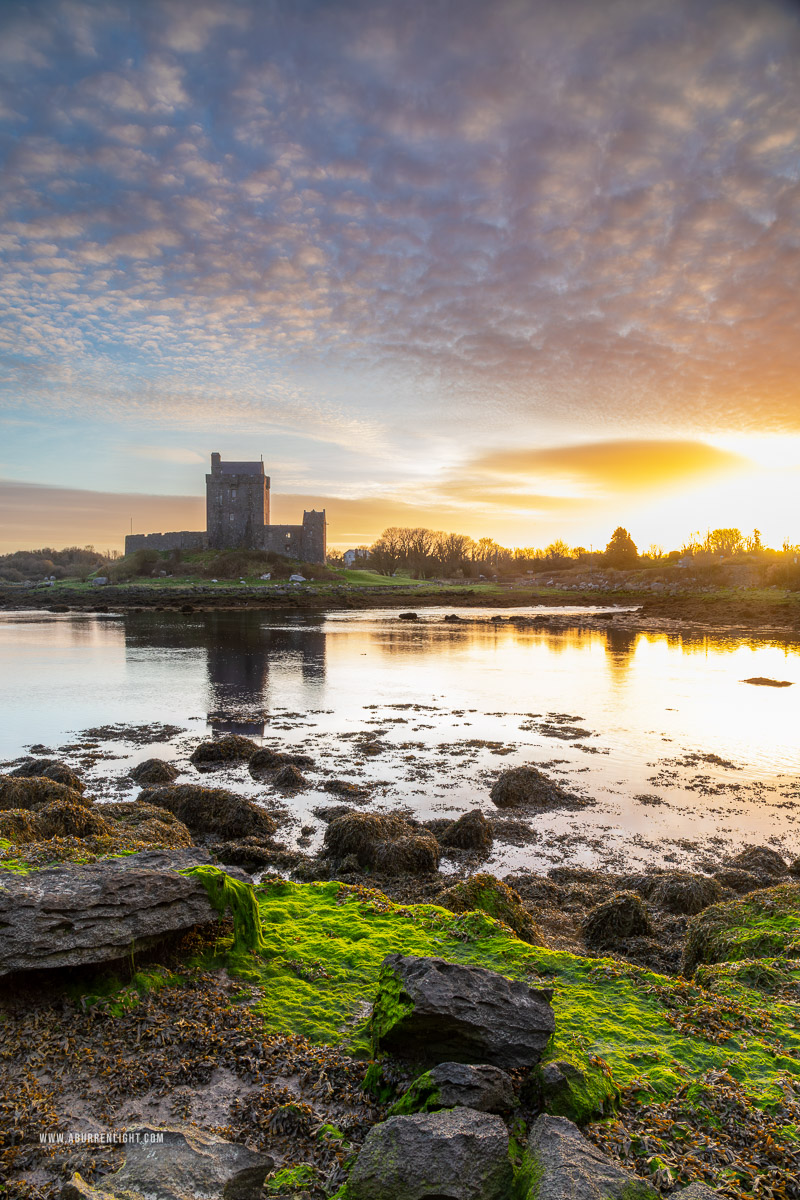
x,y
563,1165
343,787
794,868
290,779
250,853
523,786
32,766
152,771
679,892
622,916
761,860
148,823
408,616
761,924
64,818
428,1009
49,768
459,1154
34,792
490,895
454,1085
738,880
231,747
360,833
186,1165
470,832
695,1191
212,810
415,854
96,912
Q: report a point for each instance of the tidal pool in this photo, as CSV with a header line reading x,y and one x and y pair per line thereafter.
x,y
683,761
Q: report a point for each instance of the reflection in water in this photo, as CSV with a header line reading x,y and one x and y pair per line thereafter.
x,y
239,648
620,647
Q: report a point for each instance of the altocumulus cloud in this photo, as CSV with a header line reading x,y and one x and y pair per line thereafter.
x,y
521,211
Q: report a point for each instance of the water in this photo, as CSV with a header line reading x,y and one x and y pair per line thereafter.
x,y
682,760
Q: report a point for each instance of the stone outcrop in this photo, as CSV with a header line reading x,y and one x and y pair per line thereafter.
x,y
428,1009
96,912
179,1164
562,1163
456,1153
459,1085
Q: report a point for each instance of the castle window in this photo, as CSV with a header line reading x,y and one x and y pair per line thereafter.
x,y
232,517
233,493
288,536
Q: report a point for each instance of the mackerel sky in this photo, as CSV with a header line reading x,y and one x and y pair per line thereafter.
x,y
522,268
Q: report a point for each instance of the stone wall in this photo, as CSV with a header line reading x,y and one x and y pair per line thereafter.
x,y
183,540
237,505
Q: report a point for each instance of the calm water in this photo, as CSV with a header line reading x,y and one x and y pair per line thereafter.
x,y
428,713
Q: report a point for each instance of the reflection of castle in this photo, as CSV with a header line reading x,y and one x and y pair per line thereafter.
x,y
237,517
239,649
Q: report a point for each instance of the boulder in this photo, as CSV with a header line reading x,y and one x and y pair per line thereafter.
x,y
470,832
96,912
695,1191
290,779
211,810
360,833
580,1092
490,895
152,771
266,759
34,792
561,1163
19,825
147,823
414,854
232,747
458,1085
179,1164
49,768
530,787
623,915
343,787
761,860
738,880
457,1154
65,818
428,1009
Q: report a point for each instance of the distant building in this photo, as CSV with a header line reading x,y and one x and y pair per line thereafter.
x,y
353,558
237,518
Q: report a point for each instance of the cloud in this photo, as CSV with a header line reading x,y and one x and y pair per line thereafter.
x,y
170,454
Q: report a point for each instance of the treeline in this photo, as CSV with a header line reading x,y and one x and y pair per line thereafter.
x,y
429,553
74,562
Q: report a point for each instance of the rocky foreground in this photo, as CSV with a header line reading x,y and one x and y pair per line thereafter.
x,y
357,1024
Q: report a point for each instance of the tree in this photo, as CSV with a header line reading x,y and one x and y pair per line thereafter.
x,y
558,550
621,550
724,541
386,553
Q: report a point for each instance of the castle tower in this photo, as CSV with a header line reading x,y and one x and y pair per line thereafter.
x,y
237,504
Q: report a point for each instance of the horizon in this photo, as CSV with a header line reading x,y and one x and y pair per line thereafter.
x,y
524,271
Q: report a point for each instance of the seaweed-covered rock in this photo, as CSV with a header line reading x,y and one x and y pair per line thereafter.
x,y
457,1153
231,747
361,833
19,825
561,1162
265,759
453,1085
96,912
428,1009
470,832
32,766
762,924
490,895
148,823
530,787
738,880
290,779
49,768
211,810
623,915
761,860
696,1191
34,792
794,868
252,854
153,771
179,1164
679,892
65,818
412,854
343,787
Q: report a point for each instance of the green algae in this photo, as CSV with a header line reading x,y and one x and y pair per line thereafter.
x,y
422,1096
485,893
292,1179
323,946
586,1089
227,894
763,924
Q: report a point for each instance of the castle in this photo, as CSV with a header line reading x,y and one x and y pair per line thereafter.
x,y
237,517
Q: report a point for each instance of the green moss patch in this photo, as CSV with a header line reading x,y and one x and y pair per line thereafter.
x,y
490,895
763,924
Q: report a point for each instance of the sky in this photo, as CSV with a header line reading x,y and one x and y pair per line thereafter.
x,y
525,269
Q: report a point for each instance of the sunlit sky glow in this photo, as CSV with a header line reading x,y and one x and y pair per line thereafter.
x,y
524,269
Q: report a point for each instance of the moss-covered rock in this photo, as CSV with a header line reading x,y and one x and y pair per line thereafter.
x,y
622,916
680,892
580,1090
763,924
290,779
148,823
488,894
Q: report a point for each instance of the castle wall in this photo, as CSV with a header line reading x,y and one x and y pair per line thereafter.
x,y
237,505
165,541
283,539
